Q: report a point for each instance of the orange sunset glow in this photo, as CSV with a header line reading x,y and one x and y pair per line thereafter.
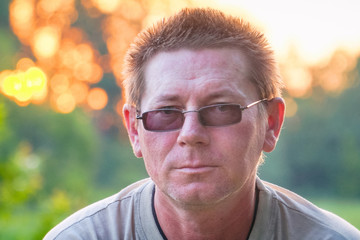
x,y
63,65
25,85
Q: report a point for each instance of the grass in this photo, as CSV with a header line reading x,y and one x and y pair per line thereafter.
x,y
348,209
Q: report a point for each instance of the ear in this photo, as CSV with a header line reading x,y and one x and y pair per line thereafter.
x,y
275,118
129,113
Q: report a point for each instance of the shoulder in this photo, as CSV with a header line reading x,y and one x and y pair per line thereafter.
x,y
292,214
102,217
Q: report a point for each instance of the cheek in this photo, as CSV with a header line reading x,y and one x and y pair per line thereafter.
x,y
152,142
155,147
245,144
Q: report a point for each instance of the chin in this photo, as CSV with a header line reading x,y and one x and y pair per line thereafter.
x,y
199,194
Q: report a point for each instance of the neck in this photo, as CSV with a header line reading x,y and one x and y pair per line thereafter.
x,y
231,218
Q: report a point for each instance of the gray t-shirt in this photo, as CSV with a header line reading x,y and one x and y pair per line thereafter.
x,y
128,214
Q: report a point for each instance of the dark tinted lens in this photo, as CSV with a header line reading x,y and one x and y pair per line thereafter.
x,y
220,115
163,120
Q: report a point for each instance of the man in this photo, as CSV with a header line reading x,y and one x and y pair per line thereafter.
x,y
203,102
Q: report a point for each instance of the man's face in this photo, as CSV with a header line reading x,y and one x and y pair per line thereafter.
x,y
197,164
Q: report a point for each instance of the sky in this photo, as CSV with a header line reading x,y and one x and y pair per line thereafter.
x,y
315,28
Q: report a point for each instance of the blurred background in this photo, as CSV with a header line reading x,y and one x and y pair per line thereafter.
x,y
62,140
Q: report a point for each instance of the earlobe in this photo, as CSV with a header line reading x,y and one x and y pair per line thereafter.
x,y
129,113
275,118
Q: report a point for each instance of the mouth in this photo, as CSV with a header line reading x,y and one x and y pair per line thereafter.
x,y
196,169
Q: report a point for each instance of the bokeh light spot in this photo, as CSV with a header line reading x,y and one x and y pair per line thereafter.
x,y
23,86
21,16
106,6
49,6
46,42
80,91
59,83
97,98
298,81
65,103
24,63
23,10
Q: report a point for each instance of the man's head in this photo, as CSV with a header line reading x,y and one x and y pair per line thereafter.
x,y
201,29
193,159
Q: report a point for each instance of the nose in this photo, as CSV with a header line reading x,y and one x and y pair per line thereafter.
x,y
193,132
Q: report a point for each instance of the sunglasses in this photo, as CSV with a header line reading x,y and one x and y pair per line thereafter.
x,y
217,115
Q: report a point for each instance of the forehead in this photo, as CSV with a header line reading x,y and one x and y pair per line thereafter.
x,y
188,73
185,61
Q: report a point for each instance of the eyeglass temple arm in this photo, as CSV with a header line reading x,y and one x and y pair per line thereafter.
x,y
254,103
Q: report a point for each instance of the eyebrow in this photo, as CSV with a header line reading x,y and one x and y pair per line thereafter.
x,y
167,97
224,93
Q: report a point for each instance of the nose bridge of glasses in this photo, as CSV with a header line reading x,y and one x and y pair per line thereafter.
x,y
198,117
189,111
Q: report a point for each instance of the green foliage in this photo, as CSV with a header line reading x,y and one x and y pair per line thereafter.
x,y
325,149
36,144
53,164
345,208
62,142
9,42
318,152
